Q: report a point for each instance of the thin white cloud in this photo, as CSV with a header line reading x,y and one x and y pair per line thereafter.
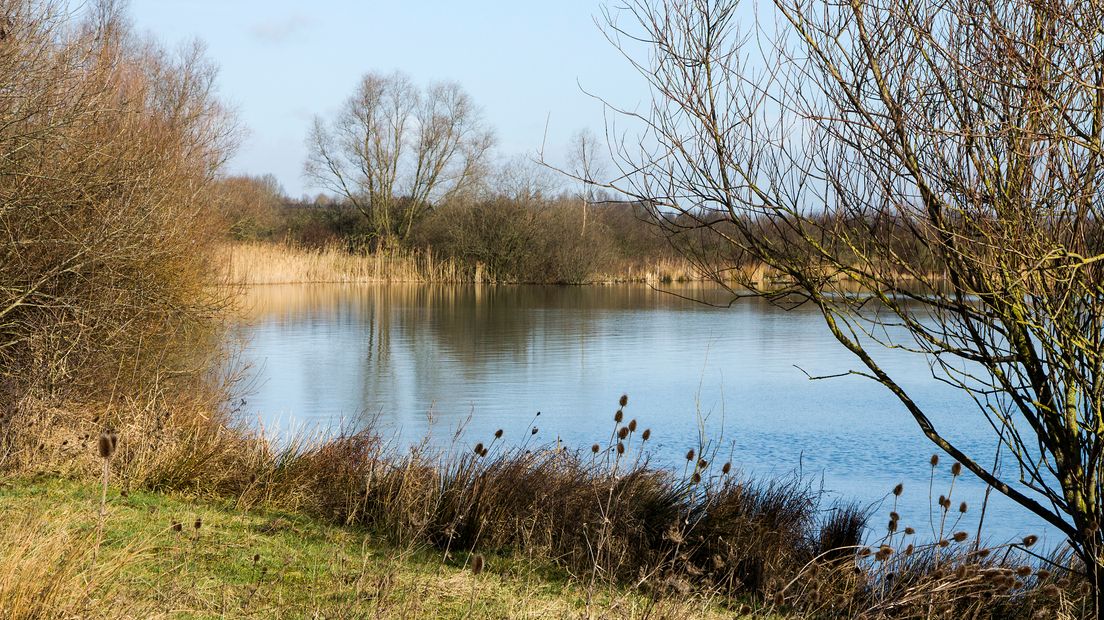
x,y
280,30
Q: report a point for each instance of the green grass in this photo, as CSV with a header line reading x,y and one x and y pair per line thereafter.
x,y
303,567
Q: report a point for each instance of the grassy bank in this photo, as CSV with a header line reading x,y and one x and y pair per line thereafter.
x,y
279,263
347,526
262,564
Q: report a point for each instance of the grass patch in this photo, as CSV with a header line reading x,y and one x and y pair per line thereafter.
x,y
266,563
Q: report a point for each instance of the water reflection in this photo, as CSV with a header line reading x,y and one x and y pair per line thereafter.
x,y
423,359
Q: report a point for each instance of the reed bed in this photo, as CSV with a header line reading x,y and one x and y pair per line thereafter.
x,y
260,263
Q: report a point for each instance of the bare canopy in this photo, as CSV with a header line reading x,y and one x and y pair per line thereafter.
x,y
395,150
928,176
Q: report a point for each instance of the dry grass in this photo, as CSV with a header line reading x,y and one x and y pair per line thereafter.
x,y
279,263
652,535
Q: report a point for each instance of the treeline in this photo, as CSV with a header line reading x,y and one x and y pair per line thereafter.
x,y
513,237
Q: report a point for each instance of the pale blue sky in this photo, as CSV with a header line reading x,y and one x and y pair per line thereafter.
x,y
282,61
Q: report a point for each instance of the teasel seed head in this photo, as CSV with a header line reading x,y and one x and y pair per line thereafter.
x,y
960,536
942,500
865,552
909,549
944,543
483,452
727,467
646,434
909,531
534,431
624,400
107,444
1023,571
479,449
477,564
702,463
623,433
620,448
934,460
1030,540
618,416
696,478
498,434
595,448
956,469
892,527
632,425
897,490
963,507
893,516
198,522
690,455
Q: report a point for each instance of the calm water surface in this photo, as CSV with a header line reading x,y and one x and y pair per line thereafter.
x,y
424,360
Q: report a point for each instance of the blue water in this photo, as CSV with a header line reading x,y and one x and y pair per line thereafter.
x,y
425,360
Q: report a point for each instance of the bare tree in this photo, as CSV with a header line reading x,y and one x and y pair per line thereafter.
x,y
394,150
927,175
586,164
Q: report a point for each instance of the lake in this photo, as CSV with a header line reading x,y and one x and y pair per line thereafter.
x,y
422,361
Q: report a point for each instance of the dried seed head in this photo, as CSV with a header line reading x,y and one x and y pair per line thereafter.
x,y
942,499
477,564
632,425
177,526
646,434
892,527
696,478
893,516
498,434
727,467
983,553
256,558
198,523
1042,574
1023,571
897,490
107,444
483,452
909,531
623,433
865,552
956,469
534,431
618,416
595,448
960,536
702,463
909,549
624,400
479,449
944,543
690,455
962,507
883,553
1030,540
934,460
620,448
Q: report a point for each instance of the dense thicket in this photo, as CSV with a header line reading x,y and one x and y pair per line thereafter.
x,y
108,146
